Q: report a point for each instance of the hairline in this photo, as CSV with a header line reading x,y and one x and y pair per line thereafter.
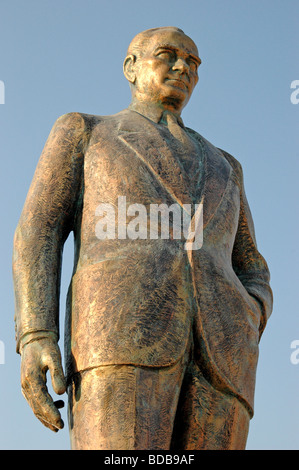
x,y
139,43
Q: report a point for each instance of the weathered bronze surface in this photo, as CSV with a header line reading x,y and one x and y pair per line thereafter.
x,y
161,338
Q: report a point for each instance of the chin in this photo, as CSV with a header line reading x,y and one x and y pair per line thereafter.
x,y
176,93
176,96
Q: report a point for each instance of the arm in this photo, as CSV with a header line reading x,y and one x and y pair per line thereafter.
x,y
248,264
45,223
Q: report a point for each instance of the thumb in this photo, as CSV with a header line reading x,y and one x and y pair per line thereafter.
x,y
58,380
57,377
56,372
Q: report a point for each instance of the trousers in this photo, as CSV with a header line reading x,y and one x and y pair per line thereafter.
x,y
126,407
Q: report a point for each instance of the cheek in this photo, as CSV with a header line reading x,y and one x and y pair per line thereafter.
x,y
153,78
194,80
157,68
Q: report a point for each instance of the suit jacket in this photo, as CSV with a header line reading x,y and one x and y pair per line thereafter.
x,y
139,301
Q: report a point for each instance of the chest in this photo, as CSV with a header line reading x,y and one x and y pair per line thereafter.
x,y
143,166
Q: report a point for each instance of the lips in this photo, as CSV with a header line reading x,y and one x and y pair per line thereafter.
x,y
177,82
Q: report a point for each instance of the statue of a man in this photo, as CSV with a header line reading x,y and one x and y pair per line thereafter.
x,y
161,336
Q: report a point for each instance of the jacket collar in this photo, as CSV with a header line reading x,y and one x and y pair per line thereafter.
x,y
153,112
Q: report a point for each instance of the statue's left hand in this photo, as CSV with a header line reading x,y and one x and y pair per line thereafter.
x,y
38,357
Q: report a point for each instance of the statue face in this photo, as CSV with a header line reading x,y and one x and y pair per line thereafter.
x,y
167,71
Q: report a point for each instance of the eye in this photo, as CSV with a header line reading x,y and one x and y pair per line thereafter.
x,y
193,65
167,55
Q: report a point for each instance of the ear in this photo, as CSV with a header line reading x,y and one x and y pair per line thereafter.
x,y
129,68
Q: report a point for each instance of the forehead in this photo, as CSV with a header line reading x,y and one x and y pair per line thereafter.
x,y
173,39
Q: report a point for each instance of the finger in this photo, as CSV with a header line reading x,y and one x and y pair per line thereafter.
x,y
42,403
59,404
37,414
48,424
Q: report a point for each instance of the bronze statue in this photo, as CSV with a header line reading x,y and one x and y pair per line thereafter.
x,y
161,337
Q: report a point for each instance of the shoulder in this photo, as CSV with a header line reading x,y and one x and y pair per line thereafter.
x,y
83,121
235,164
75,127
75,120
232,161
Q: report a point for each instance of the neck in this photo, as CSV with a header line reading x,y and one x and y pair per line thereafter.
x,y
157,106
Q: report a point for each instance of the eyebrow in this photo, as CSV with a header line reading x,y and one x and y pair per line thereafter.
x,y
173,48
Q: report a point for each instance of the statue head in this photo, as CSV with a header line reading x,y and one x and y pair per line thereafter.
x,y
161,67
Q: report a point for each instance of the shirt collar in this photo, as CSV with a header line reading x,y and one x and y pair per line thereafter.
x,y
153,112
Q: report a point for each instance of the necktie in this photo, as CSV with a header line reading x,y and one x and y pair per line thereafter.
x,y
187,148
179,133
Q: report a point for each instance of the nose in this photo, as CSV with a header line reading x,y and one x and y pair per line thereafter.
x,y
181,65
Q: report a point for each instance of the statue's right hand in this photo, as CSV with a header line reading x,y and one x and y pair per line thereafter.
x,y
38,357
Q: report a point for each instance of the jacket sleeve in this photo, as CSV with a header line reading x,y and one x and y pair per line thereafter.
x,y
45,223
248,264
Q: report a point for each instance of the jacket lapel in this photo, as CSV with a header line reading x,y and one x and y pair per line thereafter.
x,y
217,173
142,136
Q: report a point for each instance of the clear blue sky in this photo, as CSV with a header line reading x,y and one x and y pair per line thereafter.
x,y
67,55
